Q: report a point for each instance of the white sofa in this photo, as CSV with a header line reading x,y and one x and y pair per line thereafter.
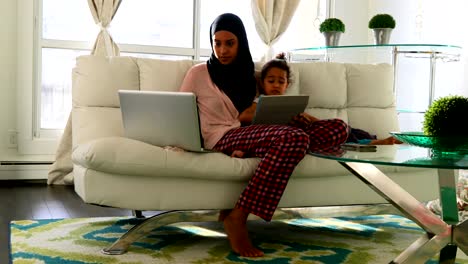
x,y
112,170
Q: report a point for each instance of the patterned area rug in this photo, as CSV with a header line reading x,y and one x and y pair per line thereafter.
x,y
354,240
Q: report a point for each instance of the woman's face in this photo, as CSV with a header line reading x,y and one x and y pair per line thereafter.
x,y
225,46
275,82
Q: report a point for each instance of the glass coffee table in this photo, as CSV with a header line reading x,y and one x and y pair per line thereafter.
x,y
444,235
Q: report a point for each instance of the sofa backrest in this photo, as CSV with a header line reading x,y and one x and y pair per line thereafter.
x,y
360,94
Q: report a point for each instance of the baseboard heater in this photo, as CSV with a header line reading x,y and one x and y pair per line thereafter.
x,y
12,162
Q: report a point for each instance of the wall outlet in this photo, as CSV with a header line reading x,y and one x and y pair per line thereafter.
x,y
12,138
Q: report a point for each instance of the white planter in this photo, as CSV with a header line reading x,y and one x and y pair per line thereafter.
x,y
382,35
332,38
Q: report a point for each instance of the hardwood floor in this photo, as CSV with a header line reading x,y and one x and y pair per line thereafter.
x,y
21,200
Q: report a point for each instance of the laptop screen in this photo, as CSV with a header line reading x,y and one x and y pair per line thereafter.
x,y
161,118
279,109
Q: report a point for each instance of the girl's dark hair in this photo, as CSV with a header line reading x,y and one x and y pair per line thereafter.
x,y
278,62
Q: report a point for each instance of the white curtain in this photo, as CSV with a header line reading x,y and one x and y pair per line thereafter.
x,y
61,172
103,12
272,18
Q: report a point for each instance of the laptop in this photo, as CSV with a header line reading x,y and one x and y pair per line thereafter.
x,y
162,118
279,109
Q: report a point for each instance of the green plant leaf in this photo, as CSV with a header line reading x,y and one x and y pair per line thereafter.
x,y
382,21
332,24
447,117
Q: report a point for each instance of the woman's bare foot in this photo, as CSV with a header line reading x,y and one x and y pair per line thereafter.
x,y
235,225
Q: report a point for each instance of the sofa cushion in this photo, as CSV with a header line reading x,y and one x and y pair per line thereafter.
x,y
325,113
325,83
162,75
294,85
370,85
124,156
120,155
89,123
96,80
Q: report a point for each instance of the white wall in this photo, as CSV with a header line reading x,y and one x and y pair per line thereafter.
x,y
425,21
354,15
8,87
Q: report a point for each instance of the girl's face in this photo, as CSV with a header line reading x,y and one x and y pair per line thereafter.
x,y
275,82
225,46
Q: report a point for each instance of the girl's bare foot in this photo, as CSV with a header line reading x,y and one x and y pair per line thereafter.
x,y
235,225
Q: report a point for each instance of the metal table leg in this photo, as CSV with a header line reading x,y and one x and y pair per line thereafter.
x,y
439,234
448,201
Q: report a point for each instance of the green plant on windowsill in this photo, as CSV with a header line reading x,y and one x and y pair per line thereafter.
x,y
382,21
332,24
446,117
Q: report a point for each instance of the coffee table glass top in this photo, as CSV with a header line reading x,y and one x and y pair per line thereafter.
x,y
400,155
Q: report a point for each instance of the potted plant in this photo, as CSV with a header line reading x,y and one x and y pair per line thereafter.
x,y
444,123
382,25
332,28
445,117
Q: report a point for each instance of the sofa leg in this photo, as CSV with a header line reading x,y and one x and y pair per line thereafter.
x,y
170,217
135,233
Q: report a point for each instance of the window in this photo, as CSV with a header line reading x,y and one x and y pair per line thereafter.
x,y
145,28
154,23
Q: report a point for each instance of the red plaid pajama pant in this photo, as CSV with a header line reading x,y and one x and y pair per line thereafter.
x,y
327,134
280,148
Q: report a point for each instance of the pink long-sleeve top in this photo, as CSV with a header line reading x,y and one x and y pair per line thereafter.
x,y
217,112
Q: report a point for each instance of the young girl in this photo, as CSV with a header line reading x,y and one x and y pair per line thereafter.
x,y
275,78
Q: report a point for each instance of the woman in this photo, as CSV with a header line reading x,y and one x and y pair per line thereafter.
x,y
225,86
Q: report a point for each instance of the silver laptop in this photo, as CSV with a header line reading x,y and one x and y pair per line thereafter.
x,y
279,109
162,118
